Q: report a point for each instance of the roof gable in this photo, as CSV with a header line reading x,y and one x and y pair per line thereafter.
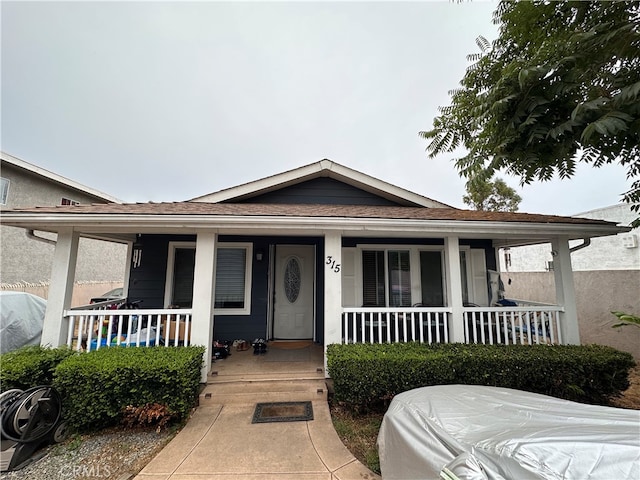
x,y
55,178
293,182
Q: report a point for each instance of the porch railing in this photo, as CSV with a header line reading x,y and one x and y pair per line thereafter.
x,y
104,325
391,325
532,324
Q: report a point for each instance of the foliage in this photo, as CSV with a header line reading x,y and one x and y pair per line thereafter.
x,y
560,85
147,415
97,386
493,196
368,376
626,319
30,366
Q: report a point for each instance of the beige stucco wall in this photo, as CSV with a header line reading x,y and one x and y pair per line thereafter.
x,y
598,293
25,260
82,291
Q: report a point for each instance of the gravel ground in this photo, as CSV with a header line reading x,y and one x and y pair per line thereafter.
x,y
112,454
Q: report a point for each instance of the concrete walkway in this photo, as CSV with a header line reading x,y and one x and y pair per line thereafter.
x,y
219,441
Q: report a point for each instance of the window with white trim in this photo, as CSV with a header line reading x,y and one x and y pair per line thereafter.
x,y
4,190
386,278
233,277
68,201
231,273
401,277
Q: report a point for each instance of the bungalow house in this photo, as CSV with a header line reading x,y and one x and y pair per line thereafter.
x,y
322,252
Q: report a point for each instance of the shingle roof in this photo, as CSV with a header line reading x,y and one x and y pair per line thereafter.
x,y
301,210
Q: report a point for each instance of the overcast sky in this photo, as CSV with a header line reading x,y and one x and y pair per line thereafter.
x,y
171,100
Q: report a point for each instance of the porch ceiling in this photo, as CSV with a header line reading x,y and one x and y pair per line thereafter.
x,y
117,221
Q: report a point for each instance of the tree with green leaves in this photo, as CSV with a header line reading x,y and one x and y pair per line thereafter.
x,y
491,195
560,85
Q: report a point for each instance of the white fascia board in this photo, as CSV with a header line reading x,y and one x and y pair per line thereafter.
x,y
263,185
511,232
16,162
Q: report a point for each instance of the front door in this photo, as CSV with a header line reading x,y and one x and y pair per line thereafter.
x,y
294,292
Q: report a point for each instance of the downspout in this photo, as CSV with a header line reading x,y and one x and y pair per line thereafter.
x,y
32,234
585,243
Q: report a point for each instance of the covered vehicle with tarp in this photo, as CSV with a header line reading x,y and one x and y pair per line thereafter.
x,y
474,432
21,320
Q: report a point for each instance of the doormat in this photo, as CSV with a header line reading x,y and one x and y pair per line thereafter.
x,y
283,412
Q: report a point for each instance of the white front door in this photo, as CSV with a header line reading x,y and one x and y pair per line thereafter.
x,y
294,292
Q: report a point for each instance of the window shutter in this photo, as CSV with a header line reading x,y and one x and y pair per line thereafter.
x,y
373,284
230,277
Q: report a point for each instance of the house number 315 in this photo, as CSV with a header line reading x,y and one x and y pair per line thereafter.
x,y
332,264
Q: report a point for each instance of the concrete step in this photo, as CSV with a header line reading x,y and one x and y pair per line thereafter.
x,y
264,390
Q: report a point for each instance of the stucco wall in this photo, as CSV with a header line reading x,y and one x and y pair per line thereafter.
x,y
26,260
83,292
598,293
604,253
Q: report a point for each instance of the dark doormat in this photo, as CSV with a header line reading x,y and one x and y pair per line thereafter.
x,y
283,412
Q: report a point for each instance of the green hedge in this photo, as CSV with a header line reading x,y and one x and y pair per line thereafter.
x,y
368,376
30,366
97,386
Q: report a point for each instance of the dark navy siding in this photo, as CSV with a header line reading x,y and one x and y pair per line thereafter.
x,y
326,191
147,281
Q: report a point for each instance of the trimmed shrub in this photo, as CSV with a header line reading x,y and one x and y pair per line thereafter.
x,y
30,366
369,376
98,386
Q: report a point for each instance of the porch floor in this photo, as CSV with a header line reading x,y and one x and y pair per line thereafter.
x,y
220,440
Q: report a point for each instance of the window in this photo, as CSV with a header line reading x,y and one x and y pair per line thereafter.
x,y
386,278
431,276
185,260
66,201
233,277
4,190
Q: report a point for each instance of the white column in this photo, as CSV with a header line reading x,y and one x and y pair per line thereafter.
x,y
332,288
204,279
454,288
54,329
565,291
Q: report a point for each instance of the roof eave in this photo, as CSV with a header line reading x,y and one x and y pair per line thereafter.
x,y
510,233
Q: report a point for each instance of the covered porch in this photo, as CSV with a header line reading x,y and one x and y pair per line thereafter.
x,y
339,321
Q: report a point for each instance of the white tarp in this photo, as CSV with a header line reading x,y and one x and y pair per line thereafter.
x,y
21,319
479,433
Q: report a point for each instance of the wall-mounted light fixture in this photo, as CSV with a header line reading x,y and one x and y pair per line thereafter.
x,y
259,255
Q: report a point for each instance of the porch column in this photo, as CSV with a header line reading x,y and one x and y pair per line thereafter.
x,y
454,289
332,288
565,290
204,280
54,329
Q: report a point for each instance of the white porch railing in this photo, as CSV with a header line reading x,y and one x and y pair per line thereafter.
x,y
100,325
533,324
392,325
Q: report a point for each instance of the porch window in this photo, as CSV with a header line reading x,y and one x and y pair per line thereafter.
x,y
386,278
233,277
231,289
432,277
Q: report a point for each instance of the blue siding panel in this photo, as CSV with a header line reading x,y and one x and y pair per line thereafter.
x,y
326,191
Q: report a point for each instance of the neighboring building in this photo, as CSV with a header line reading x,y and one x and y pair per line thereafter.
x,y
26,255
322,252
606,275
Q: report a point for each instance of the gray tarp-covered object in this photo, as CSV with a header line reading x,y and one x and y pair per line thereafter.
x,y
480,433
21,319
